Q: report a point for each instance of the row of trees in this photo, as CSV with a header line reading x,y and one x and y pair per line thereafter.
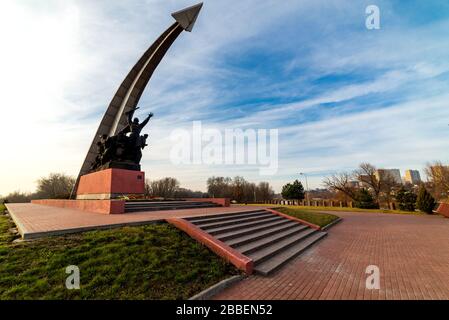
x,y
169,188
380,187
59,186
379,190
239,189
55,186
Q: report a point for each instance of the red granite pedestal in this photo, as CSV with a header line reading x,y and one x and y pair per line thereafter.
x,y
100,192
111,184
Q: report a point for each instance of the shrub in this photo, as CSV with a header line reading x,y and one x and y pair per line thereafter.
x,y
425,202
293,191
364,200
406,200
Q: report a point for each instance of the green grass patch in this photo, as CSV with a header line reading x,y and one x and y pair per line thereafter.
x,y
5,225
317,218
341,209
149,262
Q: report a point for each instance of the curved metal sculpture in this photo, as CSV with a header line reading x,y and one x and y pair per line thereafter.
x,y
131,89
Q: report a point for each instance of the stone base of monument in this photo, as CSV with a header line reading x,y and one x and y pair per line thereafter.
x,y
95,206
111,184
103,191
126,165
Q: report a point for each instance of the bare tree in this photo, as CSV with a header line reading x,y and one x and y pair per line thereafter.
x,y
219,187
249,192
341,182
380,183
164,188
388,186
438,175
239,189
187,193
55,186
264,192
366,174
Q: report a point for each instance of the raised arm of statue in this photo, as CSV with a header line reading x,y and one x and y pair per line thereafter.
x,y
145,122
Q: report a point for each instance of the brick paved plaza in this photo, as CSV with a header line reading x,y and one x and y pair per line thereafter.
x,y
36,221
412,253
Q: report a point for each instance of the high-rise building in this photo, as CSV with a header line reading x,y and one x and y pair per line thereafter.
x,y
412,176
364,181
394,173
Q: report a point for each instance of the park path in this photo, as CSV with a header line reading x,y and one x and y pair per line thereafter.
x,y
412,253
36,221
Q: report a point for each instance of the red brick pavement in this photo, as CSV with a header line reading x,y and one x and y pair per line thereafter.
x,y
36,220
412,253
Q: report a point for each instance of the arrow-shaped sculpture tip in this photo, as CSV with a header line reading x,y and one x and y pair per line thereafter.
x,y
187,17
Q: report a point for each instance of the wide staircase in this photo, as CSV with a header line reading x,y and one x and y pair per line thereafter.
x,y
268,239
136,206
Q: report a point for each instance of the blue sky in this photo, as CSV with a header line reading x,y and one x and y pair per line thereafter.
x,y
339,94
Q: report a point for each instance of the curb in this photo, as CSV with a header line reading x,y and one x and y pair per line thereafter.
x,y
333,223
239,260
311,225
27,236
20,227
217,288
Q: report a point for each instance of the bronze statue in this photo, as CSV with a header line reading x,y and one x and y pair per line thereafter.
x,y
134,126
123,150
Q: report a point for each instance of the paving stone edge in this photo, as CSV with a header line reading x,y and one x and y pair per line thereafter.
x,y
330,225
217,288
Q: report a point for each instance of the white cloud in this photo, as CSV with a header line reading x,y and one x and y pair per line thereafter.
x,y
64,61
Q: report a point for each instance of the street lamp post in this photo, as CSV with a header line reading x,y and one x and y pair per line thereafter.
x,y
307,188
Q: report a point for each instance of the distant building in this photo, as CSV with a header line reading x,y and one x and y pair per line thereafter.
x,y
394,173
354,184
364,181
412,176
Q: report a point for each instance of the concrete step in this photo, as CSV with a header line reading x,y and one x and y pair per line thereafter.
x,y
233,234
268,239
228,217
175,207
236,221
269,251
163,204
261,234
278,260
169,205
222,215
221,230
256,245
157,201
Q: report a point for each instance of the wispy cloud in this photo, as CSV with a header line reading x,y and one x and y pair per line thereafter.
x,y
339,94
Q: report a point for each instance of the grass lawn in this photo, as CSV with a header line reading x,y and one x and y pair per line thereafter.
x,y
320,219
149,262
5,225
345,209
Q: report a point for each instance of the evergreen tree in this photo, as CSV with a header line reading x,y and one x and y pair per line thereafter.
x,y
425,202
293,191
406,200
365,200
